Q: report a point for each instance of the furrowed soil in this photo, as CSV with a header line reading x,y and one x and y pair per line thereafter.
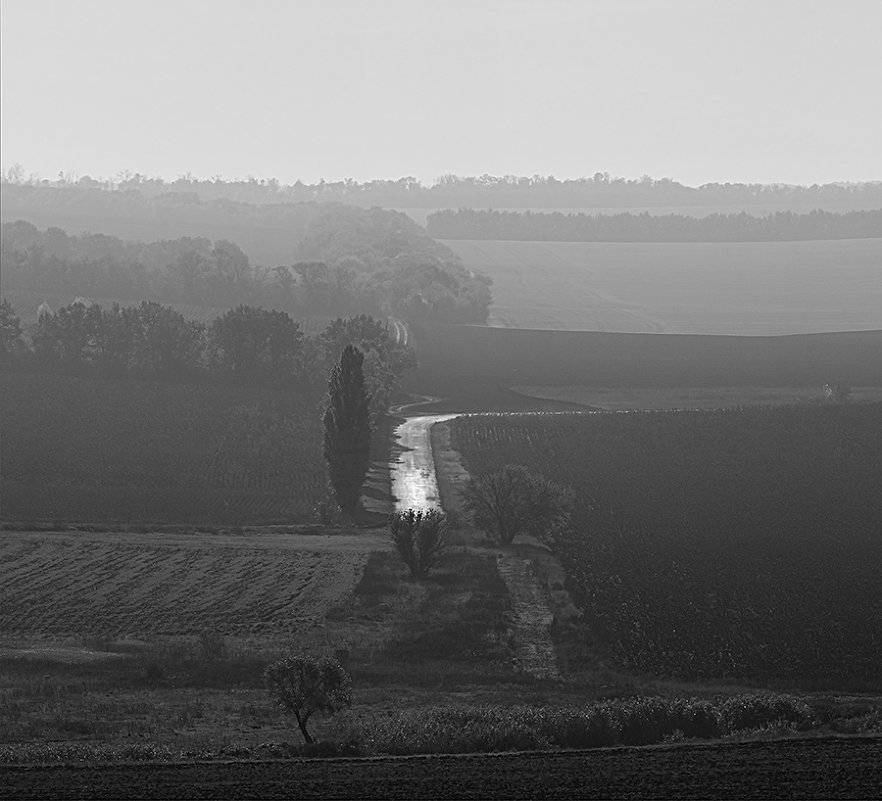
x,y
807,769
133,585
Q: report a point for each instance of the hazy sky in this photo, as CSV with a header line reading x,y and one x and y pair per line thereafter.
x,y
695,90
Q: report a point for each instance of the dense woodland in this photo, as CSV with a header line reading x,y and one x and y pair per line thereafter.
x,y
454,191
245,346
645,227
347,261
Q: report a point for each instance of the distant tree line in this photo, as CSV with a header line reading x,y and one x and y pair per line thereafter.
x,y
349,261
453,191
246,346
645,227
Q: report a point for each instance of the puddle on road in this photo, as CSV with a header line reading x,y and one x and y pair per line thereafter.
x,y
414,483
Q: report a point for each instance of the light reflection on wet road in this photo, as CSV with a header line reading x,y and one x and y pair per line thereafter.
x,y
414,483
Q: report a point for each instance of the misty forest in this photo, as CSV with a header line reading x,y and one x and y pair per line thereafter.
x,y
578,479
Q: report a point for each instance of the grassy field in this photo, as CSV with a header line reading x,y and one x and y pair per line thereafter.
x,y
716,545
116,640
753,289
129,451
151,647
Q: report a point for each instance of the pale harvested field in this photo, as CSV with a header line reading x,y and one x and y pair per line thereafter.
x,y
729,288
663,398
137,585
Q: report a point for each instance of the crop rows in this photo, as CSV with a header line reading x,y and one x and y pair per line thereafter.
x,y
739,544
58,585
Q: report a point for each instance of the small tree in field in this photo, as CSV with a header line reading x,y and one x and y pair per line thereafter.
x,y
347,442
516,500
304,687
836,393
419,536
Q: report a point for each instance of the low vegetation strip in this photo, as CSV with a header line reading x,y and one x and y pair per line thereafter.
x,y
675,398
531,617
716,545
816,768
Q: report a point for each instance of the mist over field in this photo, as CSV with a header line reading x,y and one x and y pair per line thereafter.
x,y
396,378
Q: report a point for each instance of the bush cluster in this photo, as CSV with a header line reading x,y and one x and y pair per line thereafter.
x,y
486,729
419,536
634,721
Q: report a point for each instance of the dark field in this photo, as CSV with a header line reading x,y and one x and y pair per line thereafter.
x,y
103,450
818,768
465,363
738,545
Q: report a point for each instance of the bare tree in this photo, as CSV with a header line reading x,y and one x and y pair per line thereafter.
x,y
304,687
515,500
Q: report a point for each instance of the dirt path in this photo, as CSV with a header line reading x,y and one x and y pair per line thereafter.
x,y
415,484
531,617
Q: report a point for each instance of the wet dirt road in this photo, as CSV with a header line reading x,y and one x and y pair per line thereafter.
x,y
414,483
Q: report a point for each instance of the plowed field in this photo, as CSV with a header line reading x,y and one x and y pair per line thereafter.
x,y
808,769
113,585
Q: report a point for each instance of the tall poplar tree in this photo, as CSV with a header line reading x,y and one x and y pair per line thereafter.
x,y
347,443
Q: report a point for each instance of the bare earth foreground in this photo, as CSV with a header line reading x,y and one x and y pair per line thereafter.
x,y
807,769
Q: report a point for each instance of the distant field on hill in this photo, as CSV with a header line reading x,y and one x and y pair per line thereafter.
x,y
716,544
103,450
726,288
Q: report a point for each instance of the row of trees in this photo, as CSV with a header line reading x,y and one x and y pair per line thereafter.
x,y
245,345
742,227
599,189
351,261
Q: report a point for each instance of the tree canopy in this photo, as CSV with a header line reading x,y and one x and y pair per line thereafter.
x,y
347,439
514,500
